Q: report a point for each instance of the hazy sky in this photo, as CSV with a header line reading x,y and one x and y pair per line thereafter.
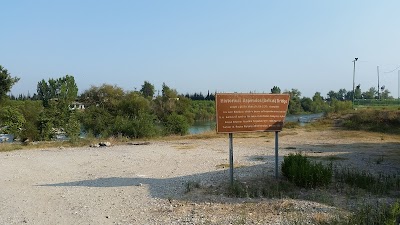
x,y
196,46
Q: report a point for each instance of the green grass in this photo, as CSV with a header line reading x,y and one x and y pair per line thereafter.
x,y
375,120
381,184
328,158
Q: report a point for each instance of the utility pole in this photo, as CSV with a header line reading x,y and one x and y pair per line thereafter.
x,y
377,68
354,75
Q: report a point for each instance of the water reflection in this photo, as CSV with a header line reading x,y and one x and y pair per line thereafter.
x,y
204,126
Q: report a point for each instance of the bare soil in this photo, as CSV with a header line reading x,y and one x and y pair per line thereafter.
x,y
147,184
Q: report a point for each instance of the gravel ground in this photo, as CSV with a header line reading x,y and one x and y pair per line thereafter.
x,y
146,184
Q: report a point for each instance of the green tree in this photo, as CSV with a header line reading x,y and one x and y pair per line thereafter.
x,y
275,90
6,82
12,120
341,94
97,120
294,103
332,95
318,103
386,94
370,94
132,103
63,90
45,125
106,96
169,93
56,96
147,90
357,93
306,104
73,127
31,111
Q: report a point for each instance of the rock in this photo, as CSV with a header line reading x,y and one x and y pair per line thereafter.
x,y
105,144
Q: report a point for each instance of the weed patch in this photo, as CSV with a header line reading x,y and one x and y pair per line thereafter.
x,y
381,184
299,170
191,185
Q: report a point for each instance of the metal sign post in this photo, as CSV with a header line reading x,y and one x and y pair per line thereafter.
x,y
231,157
276,154
237,112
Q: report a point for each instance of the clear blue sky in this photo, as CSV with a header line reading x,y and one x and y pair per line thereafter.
x,y
196,46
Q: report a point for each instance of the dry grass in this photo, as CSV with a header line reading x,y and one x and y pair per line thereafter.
x,y
6,147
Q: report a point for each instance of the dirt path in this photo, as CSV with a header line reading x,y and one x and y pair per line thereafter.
x,y
145,184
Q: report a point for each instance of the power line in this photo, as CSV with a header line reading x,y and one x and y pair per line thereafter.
x,y
393,70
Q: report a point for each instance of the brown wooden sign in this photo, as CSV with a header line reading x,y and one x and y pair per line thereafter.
x,y
250,112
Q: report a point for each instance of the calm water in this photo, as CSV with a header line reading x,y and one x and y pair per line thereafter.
x,y
6,138
204,126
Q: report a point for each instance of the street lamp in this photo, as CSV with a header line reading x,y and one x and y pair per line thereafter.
x,y
354,75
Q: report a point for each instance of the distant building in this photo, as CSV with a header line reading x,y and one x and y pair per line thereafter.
x,y
76,106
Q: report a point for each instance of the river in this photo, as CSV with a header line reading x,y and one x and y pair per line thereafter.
x,y
204,126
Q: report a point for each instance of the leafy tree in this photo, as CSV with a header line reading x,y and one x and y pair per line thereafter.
x,y
168,93
63,90
275,90
106,96
73,127
318,104
12,120
147,90
31,111
357,94
370,94
45,126
306,104
6,82
386,94
97,120
341,94
332,95
132,103
203,110
294,103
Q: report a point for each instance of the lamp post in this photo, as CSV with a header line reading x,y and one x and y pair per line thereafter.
x,y
354,75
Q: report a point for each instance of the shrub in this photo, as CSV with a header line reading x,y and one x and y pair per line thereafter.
x,y
376,214
176,124
299,170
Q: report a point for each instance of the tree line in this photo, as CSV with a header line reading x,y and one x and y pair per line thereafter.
x,y
112,111
109,110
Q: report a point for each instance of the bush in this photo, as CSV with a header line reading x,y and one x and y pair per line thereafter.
x,y
176,124
299,170
339,106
